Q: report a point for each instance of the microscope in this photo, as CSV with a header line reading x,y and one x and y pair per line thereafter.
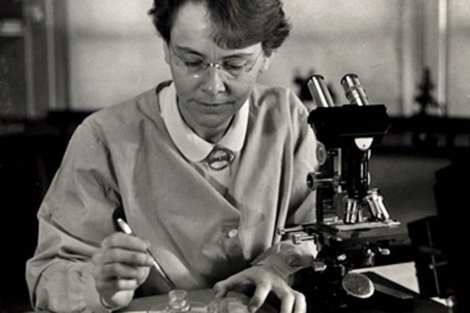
x,y
351,217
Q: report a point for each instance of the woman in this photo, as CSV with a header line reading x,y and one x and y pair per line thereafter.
x,y
204,168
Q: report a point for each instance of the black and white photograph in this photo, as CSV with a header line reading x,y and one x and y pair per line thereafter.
x,y
234,156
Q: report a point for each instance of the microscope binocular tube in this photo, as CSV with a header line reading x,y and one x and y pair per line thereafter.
x,y
353,89
348,169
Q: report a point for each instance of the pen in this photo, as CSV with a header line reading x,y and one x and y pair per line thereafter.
x,y
126,229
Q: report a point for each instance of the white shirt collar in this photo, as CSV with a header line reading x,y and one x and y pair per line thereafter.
x,y
187,141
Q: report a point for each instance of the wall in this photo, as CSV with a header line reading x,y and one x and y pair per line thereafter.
x,y
458,86
114,52
334,38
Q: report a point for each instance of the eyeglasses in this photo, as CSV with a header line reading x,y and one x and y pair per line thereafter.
x,y
196,66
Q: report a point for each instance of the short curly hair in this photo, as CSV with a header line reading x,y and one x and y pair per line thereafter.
x,y
237,23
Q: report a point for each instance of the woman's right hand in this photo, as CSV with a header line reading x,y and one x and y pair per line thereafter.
x,y
120,267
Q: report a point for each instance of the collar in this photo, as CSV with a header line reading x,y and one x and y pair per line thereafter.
x,y
187,141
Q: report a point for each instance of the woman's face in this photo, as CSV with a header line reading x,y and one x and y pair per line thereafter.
x,y
210,97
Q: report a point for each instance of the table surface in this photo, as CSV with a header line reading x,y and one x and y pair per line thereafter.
x,y
403,274
203,297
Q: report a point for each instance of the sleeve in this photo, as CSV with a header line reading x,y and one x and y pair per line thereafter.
x,y
74,217
285,257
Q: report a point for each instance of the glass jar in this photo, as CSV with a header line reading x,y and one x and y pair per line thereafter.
x,y
178,302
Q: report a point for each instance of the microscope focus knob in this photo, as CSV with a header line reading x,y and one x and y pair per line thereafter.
x,y
322,153
313,181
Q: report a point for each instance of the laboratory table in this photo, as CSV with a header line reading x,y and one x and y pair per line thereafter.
x,y
401,277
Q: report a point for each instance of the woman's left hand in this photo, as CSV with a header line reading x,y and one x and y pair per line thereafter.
x,y
265,280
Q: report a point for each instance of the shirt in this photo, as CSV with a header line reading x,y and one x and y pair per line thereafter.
x,y
123,157
196,149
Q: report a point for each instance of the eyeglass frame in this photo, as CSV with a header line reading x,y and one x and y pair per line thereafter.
x,y
205,65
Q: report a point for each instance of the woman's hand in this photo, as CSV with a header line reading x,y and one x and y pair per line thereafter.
x,y
265,280
121,265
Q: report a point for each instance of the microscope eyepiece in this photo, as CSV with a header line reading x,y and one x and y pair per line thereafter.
x,y
354,90
320,93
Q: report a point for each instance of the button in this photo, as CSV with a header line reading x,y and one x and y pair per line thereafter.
x,y
232,233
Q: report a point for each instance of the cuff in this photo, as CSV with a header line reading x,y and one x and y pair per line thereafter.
x,y
286,258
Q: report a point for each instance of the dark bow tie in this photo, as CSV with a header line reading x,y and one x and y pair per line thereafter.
x,y
219,158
